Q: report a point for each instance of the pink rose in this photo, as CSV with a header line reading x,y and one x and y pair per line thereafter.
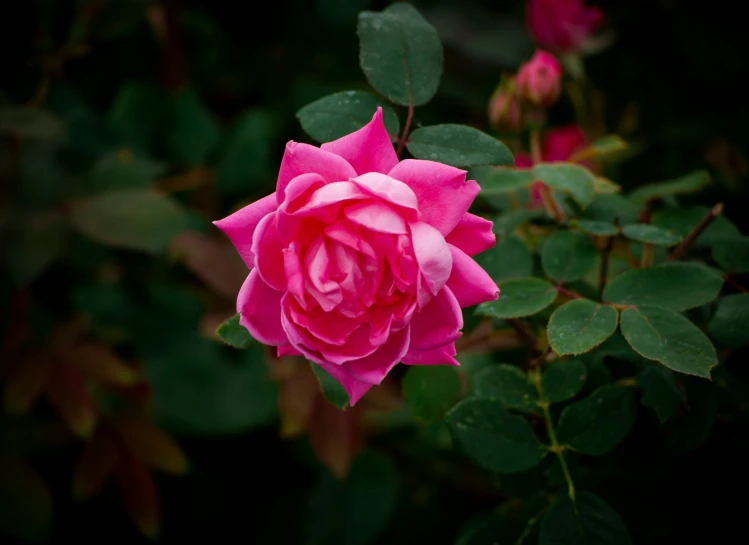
x,y
359,261
540,80
504,111
558,145
562,26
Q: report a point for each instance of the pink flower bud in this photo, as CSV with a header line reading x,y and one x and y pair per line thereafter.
x,y
504,111
562,26
539,81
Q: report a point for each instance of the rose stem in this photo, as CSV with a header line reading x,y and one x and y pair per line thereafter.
x,y
406,128
704,223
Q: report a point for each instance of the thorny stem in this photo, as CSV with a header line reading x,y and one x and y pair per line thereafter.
x,y
550,204
690,239
647,256
568,293
406,128
732,281
556,448
522,331
604,272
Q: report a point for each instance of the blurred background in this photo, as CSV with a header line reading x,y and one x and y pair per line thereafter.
x,y
124,419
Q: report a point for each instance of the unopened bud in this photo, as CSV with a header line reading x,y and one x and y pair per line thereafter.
x,y
504,110
539,81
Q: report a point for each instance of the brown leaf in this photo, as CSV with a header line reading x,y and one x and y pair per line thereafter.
x,y
140,494
296,400
96,464
99,363
67,391
215,263
26,382
333,436
152,446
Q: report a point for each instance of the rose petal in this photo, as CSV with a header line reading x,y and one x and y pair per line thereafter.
x,y
240,226
470,283
392,191
442,191
304,159
287,350
259,308
473,235
438,323
432,255
375,367
377,216
444,355
348,233
367,150
268,249
319,284
354,388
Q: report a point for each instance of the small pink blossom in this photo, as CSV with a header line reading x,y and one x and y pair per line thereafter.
x,y
539,81
504,111
360,261
562,26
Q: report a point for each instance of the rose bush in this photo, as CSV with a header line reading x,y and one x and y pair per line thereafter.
x,y
359,261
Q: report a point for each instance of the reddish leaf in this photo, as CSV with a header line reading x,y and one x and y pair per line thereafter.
x,y
95,464
140,494
296,401
332,433
99,363
68,393
26,382
215,263
152,446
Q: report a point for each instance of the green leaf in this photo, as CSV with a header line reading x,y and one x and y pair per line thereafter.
x,y
600,228
131,219
598,423
234,334
729,325
650,234
659,391
193,131
604,186
30,123
137,115
574,180
400,53
353,511
493,438
580,325
732,255
431,390
331,388
246,155
505,224
663,335
198,392
567,256
25,502
509,258
604,146
593,522
458,145
507,384
610,206
683,220
691,183
370,498
677,286
519,297
500,180
33,244
124,170
563,379
339,114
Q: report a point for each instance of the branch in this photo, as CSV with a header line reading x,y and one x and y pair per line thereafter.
x,y
406,128
704,223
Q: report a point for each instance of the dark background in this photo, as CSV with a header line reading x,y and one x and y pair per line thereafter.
x,y
681,66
